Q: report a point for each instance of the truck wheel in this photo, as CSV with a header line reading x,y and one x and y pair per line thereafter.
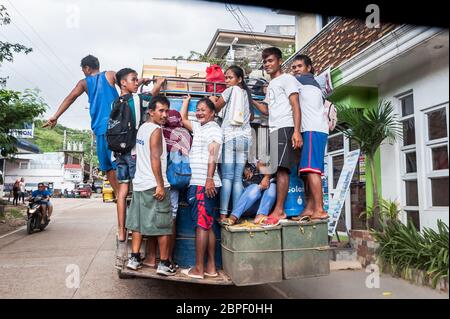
x,y
124,276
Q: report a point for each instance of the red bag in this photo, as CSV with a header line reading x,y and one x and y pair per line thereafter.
x,y
215,74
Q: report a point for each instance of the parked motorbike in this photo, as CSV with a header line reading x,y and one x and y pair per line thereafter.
x,y
34,214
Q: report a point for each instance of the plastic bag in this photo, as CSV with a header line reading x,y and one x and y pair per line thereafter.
x,y
214,73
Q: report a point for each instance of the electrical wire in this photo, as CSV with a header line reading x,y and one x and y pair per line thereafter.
x,y
243,22
43,41
37,65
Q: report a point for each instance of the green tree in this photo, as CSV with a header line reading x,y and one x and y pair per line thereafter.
x,y
370,127
7,49
53,140
287,52
17,108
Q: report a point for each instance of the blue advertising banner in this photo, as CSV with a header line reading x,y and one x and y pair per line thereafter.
x,y
26,131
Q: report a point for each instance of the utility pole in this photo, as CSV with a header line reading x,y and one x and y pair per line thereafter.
x,y
65,141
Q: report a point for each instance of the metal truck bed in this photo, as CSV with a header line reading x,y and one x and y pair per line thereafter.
x,y
123,272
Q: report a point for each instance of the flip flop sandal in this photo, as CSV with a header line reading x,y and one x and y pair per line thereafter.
x,y
320,218
261,221
303,219
211,275
271,222
186,273
228,221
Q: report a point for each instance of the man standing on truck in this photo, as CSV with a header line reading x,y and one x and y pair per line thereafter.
x,y
100,88
315,135
149,213
284,125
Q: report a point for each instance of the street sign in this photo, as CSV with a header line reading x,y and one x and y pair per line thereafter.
x,y
25,131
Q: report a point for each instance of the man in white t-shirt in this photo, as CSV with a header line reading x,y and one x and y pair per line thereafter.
x,y
149,212
315,136
284,125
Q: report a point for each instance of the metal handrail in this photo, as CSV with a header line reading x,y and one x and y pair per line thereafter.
x,y
187,80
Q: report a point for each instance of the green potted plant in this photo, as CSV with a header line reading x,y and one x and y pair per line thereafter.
x,y
369,127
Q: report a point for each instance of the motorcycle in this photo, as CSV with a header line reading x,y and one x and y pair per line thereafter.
x,y
34,214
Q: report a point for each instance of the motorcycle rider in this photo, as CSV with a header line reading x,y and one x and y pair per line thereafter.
x,y
46,206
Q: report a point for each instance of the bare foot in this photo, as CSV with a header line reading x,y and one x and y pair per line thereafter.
x,y
223,217
307,212
194,271
278,213
210,269
259,218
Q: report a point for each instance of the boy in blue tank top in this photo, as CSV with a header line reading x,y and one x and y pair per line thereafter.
x,y
99,86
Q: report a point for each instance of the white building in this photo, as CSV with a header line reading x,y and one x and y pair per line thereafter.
x,y
409,66
47,167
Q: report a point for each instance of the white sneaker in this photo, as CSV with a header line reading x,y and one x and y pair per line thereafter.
x,y
166,269
134,263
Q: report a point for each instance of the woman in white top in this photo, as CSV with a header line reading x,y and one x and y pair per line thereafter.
x,y
204,184
236,102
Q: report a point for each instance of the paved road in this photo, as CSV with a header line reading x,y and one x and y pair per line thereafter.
x,y
82,235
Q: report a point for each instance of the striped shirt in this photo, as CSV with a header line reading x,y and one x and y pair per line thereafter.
x,y
204,135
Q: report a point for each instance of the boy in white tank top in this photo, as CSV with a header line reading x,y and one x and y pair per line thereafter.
x,y
149,212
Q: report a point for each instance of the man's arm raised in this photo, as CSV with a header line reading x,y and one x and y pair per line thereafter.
x,y
79,89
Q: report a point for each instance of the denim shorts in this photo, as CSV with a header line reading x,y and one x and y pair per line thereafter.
x,y
125,167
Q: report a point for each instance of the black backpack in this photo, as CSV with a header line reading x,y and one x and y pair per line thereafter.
x,y
256,86
121,132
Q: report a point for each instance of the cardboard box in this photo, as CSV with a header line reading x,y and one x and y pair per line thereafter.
x,y
197,85
151,70
174,84
190,69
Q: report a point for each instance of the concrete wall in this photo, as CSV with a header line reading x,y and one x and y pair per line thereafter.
x,y
430,85
306,29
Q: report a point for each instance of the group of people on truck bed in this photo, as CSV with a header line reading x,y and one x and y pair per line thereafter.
x,y
298,129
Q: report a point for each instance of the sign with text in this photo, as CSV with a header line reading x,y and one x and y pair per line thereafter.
x,y
26,131
73,175
343,185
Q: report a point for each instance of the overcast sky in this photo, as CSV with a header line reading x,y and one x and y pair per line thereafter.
x,y
121,33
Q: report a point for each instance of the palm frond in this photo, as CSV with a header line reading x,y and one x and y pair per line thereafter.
x,y
370,126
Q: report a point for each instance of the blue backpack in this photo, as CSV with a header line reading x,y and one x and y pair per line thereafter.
x,y
178,170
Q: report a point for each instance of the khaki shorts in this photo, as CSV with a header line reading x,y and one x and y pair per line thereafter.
x,y
149,216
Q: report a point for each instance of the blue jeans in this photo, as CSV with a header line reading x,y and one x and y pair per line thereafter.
x,y
234,157
125,167
256,201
